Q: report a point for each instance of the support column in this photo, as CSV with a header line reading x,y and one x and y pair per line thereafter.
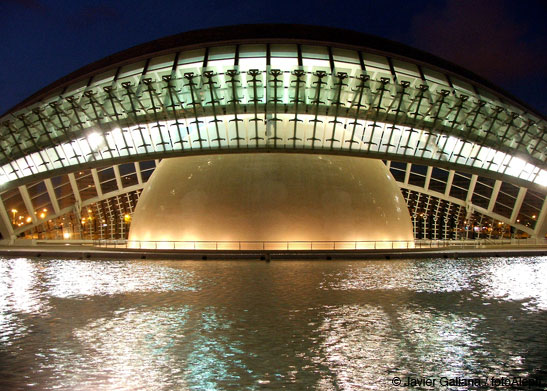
x,y
52,196
494,196
471,188
138,172
407,172
428,177
28,204
6,229
541,225
76,192
118,177
518,204
97,182
449,182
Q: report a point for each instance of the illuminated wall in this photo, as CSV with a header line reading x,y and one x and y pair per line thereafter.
x,y
271,197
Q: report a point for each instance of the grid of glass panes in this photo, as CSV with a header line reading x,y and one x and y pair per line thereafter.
x,y
351,99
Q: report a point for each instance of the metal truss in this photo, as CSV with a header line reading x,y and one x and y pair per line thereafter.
x,y
95,204
139,112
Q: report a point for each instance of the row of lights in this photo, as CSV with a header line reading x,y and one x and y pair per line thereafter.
x,y
21,220
126,217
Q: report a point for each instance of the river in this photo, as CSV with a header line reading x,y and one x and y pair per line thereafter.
x,y
250,325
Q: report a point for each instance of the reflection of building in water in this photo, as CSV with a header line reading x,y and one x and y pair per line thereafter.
x,y
468,159
239,325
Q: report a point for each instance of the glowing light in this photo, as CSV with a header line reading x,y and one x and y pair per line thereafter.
x,y
127,218
491,159
94,140
291,209
66,235
14,211
516,166
29,219
42,215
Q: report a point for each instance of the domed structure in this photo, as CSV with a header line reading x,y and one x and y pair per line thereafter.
x,y
469,158
270,197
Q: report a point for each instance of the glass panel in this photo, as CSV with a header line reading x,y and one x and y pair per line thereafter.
x,y
343,55
161,62
191,56
221,63
252,51
310,62
252,63
131,69
283,50
284,64
73,88
317,52
105,77
406,68
462,87
374,61
434,76
222,53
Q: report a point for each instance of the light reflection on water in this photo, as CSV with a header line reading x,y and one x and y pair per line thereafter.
x,y
144,325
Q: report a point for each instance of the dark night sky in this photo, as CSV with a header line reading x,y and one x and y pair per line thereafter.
x,y
503,41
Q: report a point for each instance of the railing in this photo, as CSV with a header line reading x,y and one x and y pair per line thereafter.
x,y
314,245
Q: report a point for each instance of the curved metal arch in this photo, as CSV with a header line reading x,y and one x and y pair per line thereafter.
x,y
469,207
465,204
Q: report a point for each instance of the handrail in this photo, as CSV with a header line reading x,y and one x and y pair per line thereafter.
x,y
313,245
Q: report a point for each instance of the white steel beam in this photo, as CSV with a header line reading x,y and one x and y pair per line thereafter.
x,y
138,172
449,182
428,177
74,186
468,206
97,182
518,204
28,203
471,188
541,225
407,173
118,176
494,196
52,196
80,205
6,229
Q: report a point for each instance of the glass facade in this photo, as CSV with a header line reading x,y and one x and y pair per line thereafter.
x,y
235,96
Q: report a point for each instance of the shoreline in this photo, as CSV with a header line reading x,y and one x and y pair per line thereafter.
x,y
88,252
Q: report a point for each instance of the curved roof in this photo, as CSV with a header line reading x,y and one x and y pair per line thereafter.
x,y
269,33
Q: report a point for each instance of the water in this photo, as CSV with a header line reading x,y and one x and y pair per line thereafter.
x,y
296,325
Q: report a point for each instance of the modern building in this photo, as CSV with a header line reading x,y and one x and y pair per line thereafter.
x,y
246,104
